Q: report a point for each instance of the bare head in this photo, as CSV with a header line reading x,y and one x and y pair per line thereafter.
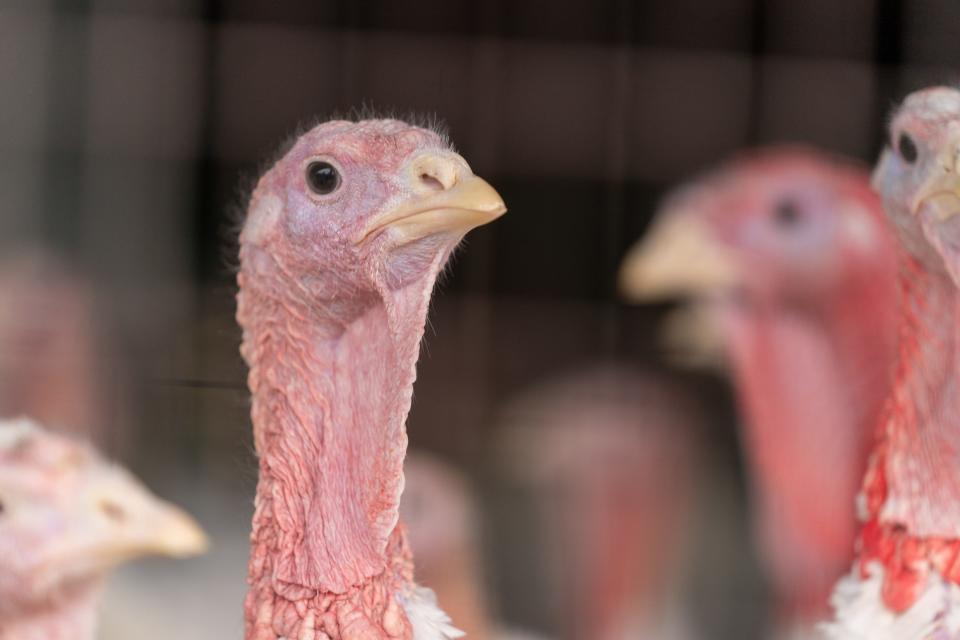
x,y
360,209
782,223
67,517
918,177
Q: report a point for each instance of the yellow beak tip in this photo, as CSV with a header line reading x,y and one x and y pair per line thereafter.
x,y
185,540
470,203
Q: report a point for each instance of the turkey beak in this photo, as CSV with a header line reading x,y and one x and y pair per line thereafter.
x,y
117,520
447,198
940,195
936,207
678,256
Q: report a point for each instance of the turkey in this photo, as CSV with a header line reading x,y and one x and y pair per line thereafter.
x,y
904,582
609,455
789,250
343,240
67,517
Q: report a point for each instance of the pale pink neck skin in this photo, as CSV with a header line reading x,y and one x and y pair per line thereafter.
x,y
329,408
71,616
923,443
812,381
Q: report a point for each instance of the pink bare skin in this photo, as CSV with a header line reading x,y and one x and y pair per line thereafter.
x,y
338,262
67,517
910,541
797,262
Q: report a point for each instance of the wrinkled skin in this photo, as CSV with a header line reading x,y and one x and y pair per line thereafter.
x,y
67,518
912,488
334,290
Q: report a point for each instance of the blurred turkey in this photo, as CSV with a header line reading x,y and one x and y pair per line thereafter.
x,y
51,364
788,251
610,455
67,517
444,526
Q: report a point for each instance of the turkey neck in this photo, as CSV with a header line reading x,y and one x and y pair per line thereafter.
x,y
922,428
71,616
854,324
812,377
330,401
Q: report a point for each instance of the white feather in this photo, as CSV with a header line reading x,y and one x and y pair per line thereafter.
x,y
860,613
427,619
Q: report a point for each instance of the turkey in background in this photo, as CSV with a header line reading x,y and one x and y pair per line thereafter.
x,y
610,459
67,519
787,254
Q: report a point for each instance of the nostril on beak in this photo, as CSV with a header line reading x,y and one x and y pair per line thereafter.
x,y
112,510
436,174
431,182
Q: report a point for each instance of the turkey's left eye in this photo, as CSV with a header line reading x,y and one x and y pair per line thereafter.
x,y
322,177
907,148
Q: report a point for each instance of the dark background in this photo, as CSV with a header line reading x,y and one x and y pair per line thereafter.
x,y
581,112
130,132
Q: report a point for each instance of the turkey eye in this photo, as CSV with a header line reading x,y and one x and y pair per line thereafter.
x,y
786,214
907,148
322,177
